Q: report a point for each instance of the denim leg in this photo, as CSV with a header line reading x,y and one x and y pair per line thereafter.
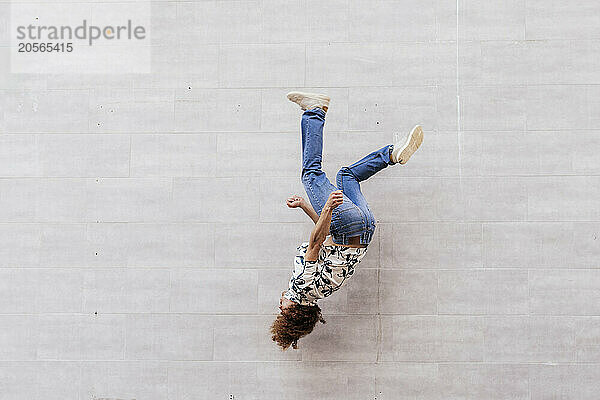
x,y
348,178
372,163
317,185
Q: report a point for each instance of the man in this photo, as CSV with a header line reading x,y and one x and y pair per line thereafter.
x,y
344,224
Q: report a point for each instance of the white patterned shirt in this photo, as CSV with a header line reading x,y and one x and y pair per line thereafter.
x,y
314,280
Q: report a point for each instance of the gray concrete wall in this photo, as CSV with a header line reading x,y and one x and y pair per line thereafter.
x,y
144,238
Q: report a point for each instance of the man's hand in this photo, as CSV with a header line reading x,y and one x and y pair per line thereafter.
x,y
294,201
335,199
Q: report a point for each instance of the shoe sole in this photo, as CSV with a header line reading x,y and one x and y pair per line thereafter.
x,y
412,144
297,97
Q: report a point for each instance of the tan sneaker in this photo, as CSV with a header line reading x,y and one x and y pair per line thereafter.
x,y
306,101
402,152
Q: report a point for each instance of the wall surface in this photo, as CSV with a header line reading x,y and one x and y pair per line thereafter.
x,y
144,238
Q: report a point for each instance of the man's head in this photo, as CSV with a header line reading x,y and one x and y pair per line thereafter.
x,y
294,322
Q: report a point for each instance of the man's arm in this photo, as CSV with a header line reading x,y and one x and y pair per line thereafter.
x,y
321,230
307,208
297,201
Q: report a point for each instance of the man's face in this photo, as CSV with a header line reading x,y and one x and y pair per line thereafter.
x,y
284,302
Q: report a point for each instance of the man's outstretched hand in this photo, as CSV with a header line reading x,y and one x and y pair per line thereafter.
x,y
294,201
335,199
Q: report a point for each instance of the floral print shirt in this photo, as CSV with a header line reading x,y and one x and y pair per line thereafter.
x,y
314,280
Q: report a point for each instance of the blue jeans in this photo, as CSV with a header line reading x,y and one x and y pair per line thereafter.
x,y
353,217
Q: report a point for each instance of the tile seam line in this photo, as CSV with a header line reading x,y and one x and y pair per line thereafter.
x,y
458,120
274,313
242,88
275,177
438,132
254,223
404,269
311,361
